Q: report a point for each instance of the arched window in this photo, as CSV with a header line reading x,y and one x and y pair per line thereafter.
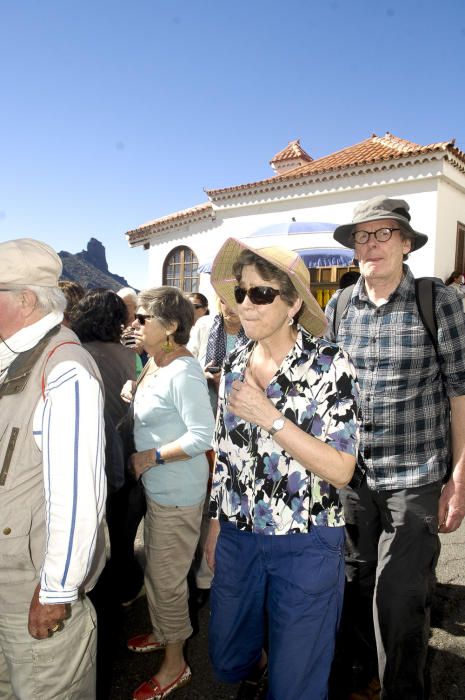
x,y
181,270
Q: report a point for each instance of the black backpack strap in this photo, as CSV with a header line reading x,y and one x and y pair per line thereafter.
x,y
425,295
341,305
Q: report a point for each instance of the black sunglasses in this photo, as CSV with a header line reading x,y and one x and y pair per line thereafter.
x,y
257,295
142,318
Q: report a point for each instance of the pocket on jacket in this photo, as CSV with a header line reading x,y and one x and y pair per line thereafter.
x,y
15,554
9,438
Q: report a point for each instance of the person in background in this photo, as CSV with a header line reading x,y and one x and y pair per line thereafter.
x,y
455,280
412,447
73,291
52,484
129,297
200,304
285,442
211,336
173,428
211,339
348,278
97,320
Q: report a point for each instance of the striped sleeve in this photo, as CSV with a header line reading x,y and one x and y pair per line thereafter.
x,y
73,450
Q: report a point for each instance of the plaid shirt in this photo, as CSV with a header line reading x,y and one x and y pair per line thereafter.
x,y
405,386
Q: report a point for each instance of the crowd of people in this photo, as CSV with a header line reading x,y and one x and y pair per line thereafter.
x,y
297,466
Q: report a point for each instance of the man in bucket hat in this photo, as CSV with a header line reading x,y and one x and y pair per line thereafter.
x,y
52,484
408,391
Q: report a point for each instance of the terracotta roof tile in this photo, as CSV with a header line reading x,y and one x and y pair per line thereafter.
x,y
372,150
375,149
292,151
200,211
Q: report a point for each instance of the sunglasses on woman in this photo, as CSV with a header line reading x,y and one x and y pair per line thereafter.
x,y
143,317
257,295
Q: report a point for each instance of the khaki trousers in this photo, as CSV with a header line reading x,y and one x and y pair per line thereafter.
x,y
171,536
61,667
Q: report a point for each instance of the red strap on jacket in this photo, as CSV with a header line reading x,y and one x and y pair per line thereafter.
x,y
65,342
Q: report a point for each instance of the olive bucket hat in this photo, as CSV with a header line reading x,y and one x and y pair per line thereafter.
x,y
223,280
379,208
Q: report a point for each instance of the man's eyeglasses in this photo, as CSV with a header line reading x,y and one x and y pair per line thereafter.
x,y
257,295
382,235
142,318
198,306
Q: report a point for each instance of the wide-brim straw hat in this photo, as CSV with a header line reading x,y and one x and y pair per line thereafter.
x,y
223,280
380,207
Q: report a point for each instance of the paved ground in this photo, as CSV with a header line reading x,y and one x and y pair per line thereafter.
x,y
447,644
446,655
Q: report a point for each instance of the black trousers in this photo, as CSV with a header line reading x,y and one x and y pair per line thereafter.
x,y
392,548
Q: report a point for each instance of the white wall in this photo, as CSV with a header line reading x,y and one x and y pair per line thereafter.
x,y
451,209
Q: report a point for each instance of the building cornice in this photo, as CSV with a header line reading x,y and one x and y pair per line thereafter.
x,y
155,228
290,181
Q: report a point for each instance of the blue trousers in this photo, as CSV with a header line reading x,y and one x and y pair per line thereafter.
x,y
298,581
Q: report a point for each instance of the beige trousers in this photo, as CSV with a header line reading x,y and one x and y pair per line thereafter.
x,y
171,535
61,667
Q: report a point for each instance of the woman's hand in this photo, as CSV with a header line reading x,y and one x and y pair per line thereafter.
x,y
210,543
127,392
250,403
139,462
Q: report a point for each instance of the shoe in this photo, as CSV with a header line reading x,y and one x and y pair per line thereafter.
x,y
142,644
371,692
152,690
254,689
128,603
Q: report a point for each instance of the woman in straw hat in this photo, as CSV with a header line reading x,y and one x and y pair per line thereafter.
x,y
285,442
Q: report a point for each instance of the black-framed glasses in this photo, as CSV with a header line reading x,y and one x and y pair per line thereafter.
x,y
143,317
382,235
198,306
258,295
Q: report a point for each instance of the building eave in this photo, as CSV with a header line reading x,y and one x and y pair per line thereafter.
x,y
286,183
145,233
312,170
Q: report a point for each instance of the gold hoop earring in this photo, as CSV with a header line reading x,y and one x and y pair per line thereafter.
x,y
167,345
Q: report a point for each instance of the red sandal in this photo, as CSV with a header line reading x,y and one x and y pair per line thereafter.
x,y
142,644
152,690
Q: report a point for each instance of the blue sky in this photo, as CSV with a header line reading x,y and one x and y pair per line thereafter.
x,y
116,112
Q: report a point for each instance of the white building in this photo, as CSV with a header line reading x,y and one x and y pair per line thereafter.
x,y
431,178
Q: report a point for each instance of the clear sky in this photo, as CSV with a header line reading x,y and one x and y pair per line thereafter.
x,y
116,112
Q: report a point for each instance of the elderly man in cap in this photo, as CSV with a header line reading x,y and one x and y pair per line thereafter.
x,y
412,447
52,484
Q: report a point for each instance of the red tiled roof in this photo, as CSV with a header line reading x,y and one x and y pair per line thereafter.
x,y
292,151
143,232
376,149
373,150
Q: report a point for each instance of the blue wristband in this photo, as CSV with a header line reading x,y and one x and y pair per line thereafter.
x,y
158,459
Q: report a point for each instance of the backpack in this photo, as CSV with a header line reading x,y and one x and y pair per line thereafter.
x,y
425,296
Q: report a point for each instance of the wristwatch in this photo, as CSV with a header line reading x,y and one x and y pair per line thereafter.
x,y
278,424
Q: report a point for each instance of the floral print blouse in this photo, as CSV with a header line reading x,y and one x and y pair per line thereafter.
x,y
256,484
